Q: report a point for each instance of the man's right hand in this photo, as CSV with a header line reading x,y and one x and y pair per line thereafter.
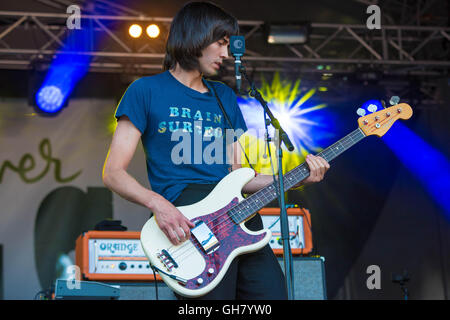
x,y
171,221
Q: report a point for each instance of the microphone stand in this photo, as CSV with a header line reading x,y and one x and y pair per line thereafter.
x,y
280,136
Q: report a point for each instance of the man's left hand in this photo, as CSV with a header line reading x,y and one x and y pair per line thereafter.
x,y
318,166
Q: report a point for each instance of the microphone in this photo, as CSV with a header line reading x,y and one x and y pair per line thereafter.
x,y
237,48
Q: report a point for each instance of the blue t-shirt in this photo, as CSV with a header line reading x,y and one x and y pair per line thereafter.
x,y
183,131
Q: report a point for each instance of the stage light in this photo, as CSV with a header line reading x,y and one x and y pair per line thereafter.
x,y
287,33
153,31
426,163
66,69
50,99
135,31
308,124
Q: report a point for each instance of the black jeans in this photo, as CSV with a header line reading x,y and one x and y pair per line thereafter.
x,y
252,276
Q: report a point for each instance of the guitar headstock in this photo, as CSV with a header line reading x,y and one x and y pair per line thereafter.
x,y
378,123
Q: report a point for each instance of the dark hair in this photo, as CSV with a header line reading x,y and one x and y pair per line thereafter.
x,y
194,27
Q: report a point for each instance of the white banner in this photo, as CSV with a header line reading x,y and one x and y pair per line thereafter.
x,y
47,166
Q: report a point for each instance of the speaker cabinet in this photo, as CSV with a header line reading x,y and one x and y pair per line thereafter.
x,y
145,291
309,278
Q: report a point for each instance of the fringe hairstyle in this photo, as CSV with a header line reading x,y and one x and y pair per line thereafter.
x,y
194,27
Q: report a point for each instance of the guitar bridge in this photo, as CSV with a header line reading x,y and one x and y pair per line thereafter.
x,y
205,237
167,260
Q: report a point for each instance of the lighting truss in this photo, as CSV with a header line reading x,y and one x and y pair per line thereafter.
x,y
27,36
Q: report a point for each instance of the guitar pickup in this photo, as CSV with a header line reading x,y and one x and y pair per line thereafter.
x,y
205,237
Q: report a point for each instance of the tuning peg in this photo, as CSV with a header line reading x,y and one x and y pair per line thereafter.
x,y
361,112
383,103
372,107
394,100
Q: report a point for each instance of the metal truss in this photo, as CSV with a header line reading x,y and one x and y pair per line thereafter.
x,y
30,37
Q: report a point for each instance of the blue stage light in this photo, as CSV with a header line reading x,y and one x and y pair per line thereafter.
x,y
429,166
50,99
66,70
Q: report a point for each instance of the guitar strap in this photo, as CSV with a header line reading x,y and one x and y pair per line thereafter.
x,y
211,87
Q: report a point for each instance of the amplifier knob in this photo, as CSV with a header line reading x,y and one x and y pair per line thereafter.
x,y
122,266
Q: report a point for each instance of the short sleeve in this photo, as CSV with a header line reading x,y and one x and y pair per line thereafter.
x,y
135,105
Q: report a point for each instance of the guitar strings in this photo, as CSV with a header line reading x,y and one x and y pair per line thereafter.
x,y
222,215
190,247
220,227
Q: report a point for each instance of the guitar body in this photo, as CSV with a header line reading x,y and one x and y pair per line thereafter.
x,y
203,268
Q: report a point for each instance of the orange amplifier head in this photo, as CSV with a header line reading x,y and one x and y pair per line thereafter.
x,y
299,229
112,256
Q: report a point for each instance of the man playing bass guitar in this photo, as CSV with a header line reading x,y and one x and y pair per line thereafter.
x,y
180,99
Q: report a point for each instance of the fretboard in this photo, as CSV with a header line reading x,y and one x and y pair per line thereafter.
x,y
260,199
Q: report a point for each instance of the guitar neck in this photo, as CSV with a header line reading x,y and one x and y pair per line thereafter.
x,y
260,199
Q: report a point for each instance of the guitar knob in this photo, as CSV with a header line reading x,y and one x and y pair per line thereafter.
x,y
210,271
122,266
199,281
